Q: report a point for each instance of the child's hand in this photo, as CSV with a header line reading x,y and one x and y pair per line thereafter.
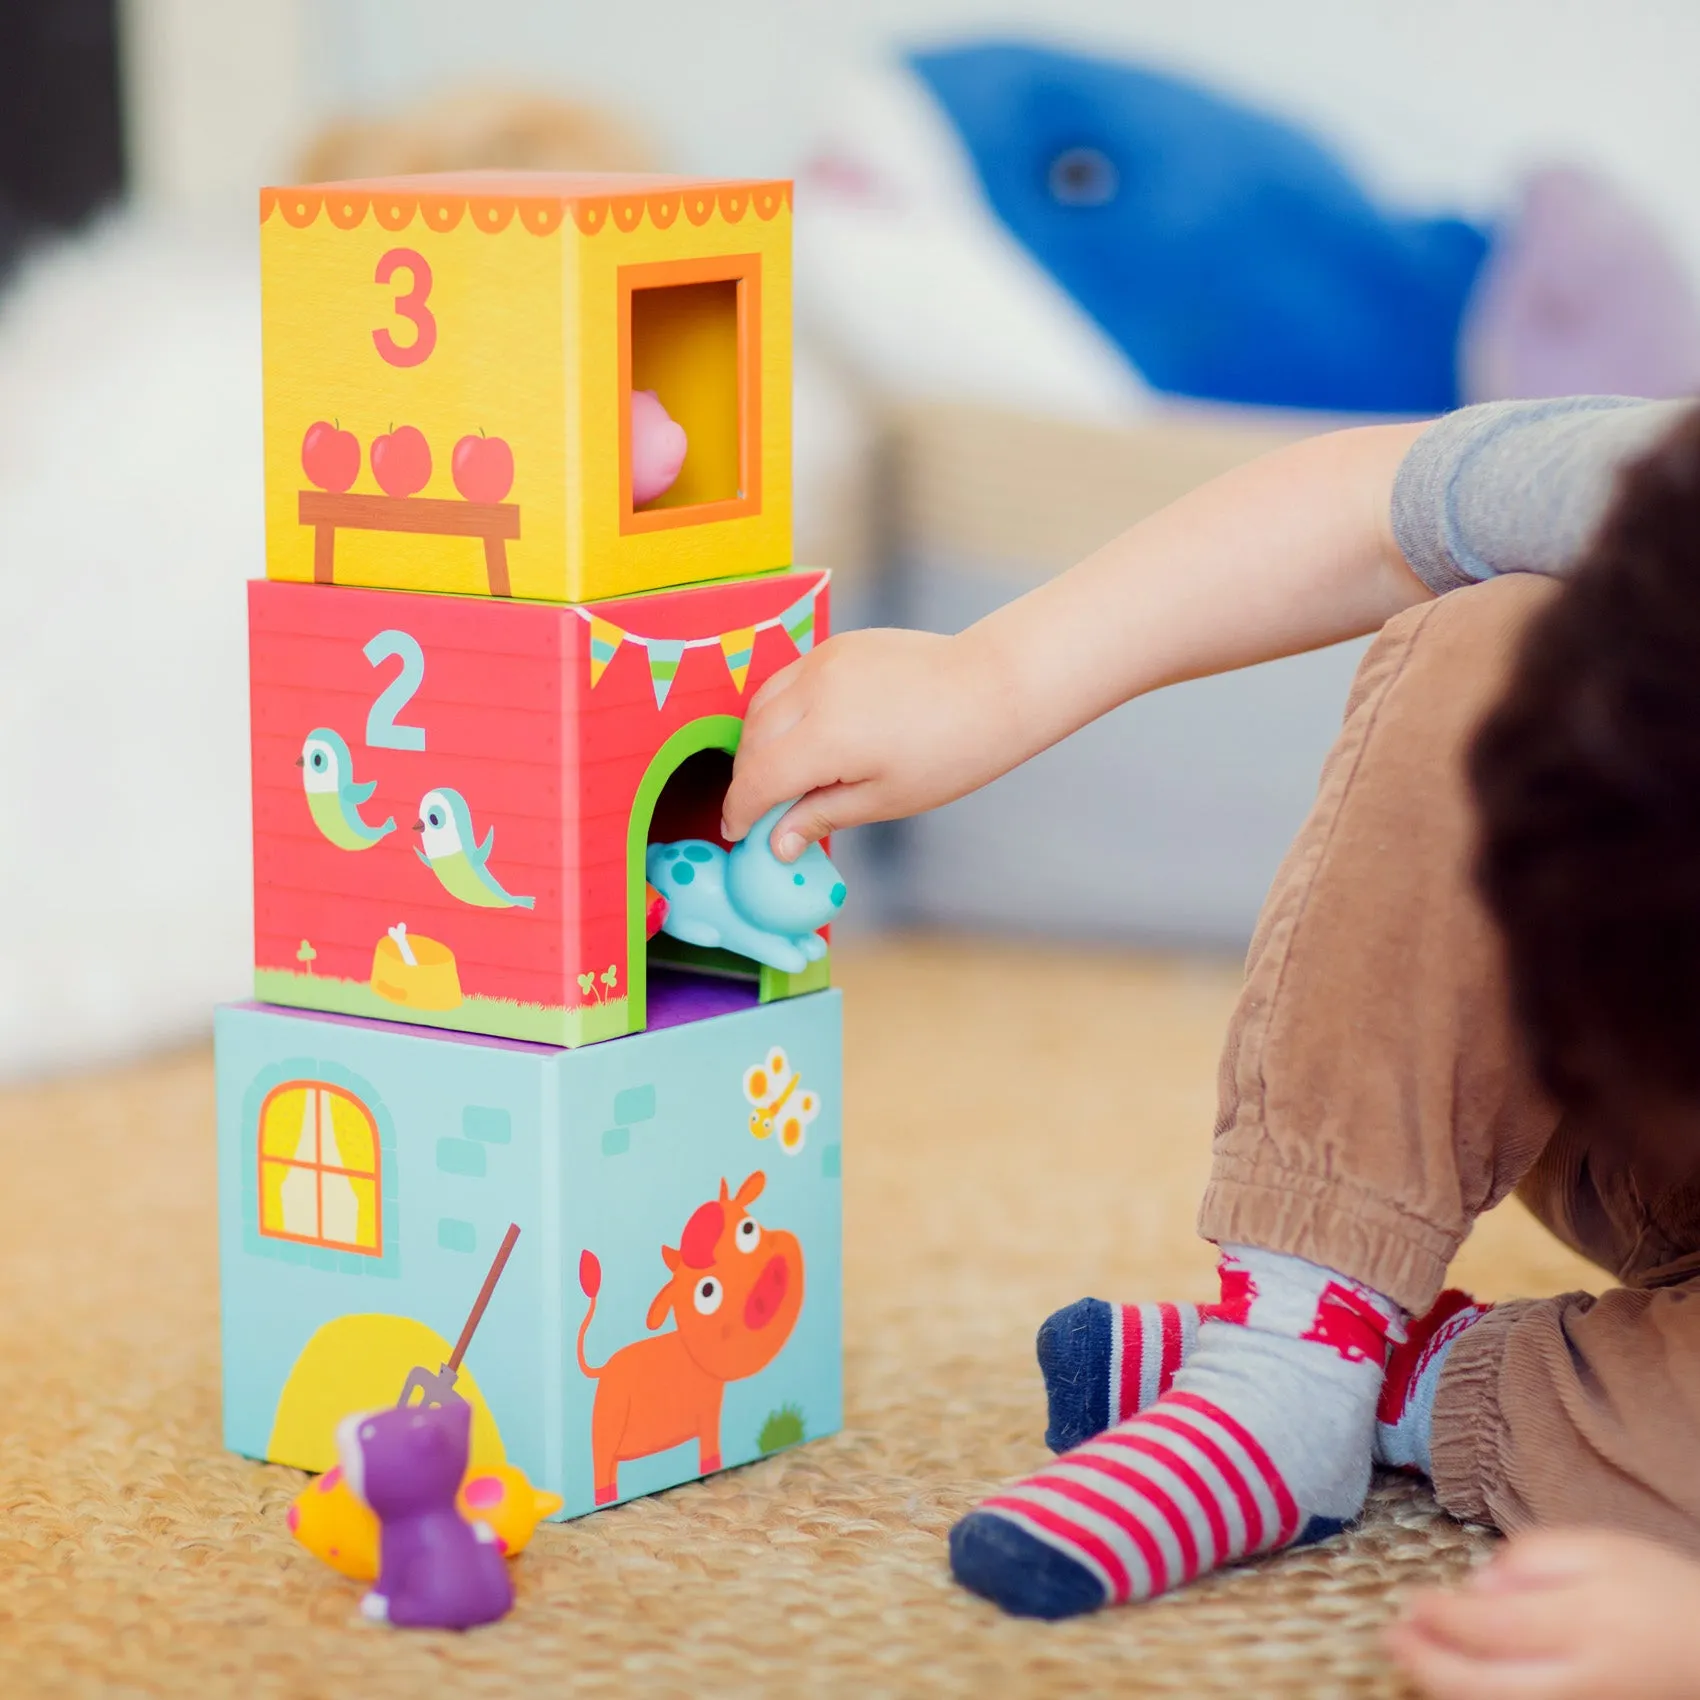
x,y
1573,1616
869,726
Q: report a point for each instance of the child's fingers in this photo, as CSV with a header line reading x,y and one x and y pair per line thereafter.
x,y
1547,1558
766,771
819,814
781,682
789,767
1498,1623
770,718
810,756
1444,1673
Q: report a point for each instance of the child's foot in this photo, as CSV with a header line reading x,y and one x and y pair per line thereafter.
x,y
1103,1362
1560,1616
1262,1441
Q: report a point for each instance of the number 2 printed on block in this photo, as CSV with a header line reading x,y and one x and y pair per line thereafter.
x,y
382,731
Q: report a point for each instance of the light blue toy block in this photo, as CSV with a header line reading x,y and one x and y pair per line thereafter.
x,y
368,1172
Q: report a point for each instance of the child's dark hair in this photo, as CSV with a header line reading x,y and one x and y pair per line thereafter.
x,y
1587,777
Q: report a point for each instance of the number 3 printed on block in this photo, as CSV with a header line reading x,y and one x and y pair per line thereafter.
x,y
409,306
382,732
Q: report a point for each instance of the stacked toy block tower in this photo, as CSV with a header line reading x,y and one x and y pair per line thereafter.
x,y
505,643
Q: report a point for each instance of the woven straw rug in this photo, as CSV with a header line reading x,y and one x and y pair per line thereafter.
x,y
1023,1126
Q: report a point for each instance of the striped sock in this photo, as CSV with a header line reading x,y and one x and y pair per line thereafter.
x,y
1102,1362
1262,1441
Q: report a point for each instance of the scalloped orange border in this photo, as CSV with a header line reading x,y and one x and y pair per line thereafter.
x,y
348,209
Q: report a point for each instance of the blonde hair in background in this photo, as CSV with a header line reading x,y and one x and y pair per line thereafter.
x,y
478,130
492,128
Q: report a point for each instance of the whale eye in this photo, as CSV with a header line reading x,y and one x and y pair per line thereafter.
x,y
796,879
1082,177
748,1236
707,1295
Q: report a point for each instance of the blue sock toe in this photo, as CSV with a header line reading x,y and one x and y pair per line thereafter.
x,y
1074,1358
1320,1529
1003,1563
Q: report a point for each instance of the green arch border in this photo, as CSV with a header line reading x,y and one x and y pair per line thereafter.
x,y
711,732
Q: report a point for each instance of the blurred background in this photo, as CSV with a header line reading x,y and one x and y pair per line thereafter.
x,y
1056,263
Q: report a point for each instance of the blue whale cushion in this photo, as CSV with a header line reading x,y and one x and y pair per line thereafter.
x,y
1228,255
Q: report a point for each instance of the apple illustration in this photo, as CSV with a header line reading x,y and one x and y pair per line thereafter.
x,y
483,468
658,448
401,461
330,457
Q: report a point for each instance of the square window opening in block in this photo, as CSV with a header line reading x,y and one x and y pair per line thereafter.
x,y
690,451
685,356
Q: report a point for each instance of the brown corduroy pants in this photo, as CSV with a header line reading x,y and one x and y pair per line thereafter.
x,y
1375,1099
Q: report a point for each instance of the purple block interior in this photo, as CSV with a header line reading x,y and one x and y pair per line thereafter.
x,y
674,999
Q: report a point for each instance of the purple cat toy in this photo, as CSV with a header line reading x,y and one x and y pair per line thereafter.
x,y
435,1570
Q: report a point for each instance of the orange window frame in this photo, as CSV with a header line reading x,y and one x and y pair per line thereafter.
x,y
745,271
319,1171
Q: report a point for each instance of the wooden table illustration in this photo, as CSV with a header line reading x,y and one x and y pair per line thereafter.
x,y
497,523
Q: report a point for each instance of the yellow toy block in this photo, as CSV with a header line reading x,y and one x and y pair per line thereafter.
x,y
453,363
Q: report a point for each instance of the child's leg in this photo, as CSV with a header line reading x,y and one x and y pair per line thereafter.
x,y
1374,1102
1577,1410
1572,1410
1374,1093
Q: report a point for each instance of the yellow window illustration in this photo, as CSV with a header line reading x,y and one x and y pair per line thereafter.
x,y
319,1168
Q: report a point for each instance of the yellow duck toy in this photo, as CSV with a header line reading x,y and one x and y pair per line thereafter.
x,y
334,1525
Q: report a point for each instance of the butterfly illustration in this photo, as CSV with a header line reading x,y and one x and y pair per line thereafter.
x,y
782,1102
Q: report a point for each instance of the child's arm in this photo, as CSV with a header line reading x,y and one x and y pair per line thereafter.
x,y
1288,553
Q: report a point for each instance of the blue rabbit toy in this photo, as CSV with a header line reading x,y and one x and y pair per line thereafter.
x,y
745,899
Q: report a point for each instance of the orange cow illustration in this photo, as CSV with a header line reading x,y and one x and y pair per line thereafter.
x,y
734,1289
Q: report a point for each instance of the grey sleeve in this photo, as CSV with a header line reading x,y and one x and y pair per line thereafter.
x,y
1517,486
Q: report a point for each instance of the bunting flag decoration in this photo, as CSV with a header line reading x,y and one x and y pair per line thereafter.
x,y
799,623
738,648
605,639
666,655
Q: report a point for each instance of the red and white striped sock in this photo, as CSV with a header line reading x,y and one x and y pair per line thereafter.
x,y
1148,1345
1102,1362
1262,1440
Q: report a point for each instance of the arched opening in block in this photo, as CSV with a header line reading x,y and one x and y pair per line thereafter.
x,y
668,981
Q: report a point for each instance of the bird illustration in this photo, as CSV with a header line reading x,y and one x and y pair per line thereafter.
x,y
449,849
327,773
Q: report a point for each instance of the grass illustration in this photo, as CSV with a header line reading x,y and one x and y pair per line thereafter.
x,y
783,1428
505,1018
